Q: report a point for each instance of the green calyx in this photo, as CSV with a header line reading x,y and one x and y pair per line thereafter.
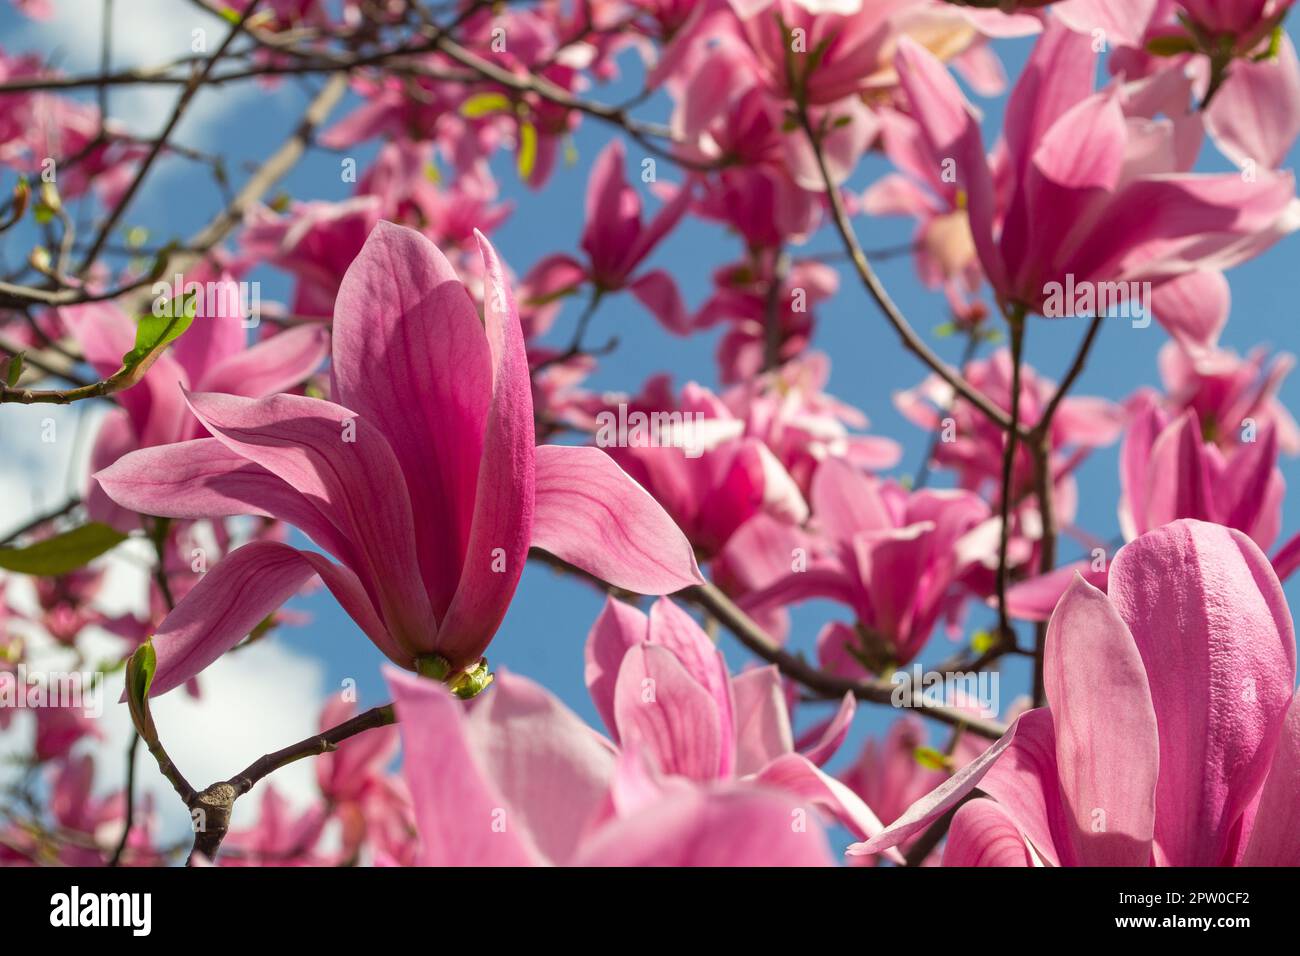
x,y
465,684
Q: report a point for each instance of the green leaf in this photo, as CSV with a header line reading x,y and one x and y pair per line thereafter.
x,y
15,370
527,158
140,669
484,104
945,330
931,759
156,332
982,642
62,553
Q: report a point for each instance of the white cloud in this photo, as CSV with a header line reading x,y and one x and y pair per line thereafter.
x,y
145,33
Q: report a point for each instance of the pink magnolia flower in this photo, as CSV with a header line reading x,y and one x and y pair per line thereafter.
x,y
1168,471
710,476
1231,396
841,48
1171,736
891,556
1243,20
1093,196
742,298
210,356
315,242
425,484
617,242
664,692
520,780
789,410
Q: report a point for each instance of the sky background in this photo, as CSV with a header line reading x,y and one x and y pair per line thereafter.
x,y
269,695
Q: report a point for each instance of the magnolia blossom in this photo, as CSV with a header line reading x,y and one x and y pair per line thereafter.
x,y
1170,736
1120,210
536,786
893,558
434,444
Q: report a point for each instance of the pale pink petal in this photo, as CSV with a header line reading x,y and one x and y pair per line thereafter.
x,y
591,514
659,707
1255,116
1107,747
549,767
462,819
762,719
412,360
618,629
733,826
1275,837
982,834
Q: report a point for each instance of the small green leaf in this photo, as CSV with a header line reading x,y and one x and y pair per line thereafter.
x,y
15,370
931,759
137,236
982,642
140,669
62,553
527,157
945,330
484,104
156,332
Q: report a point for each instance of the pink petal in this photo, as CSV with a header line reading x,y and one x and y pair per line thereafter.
x,y
833,733
762,720
618,629
356,484
233,598
982,834
657,291
461,817
549,767
934,804
1194,307
732,826
1275,837
1255,116
273,365
1178,475
1035,598
411,358
1094,678
591,514
504,496
202,478
794,774
1216,637
659,707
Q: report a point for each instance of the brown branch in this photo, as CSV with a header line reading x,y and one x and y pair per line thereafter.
x,y
214,805
1017,322
910,339
182,103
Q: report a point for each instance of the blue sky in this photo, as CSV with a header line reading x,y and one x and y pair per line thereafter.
x,y
543,634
